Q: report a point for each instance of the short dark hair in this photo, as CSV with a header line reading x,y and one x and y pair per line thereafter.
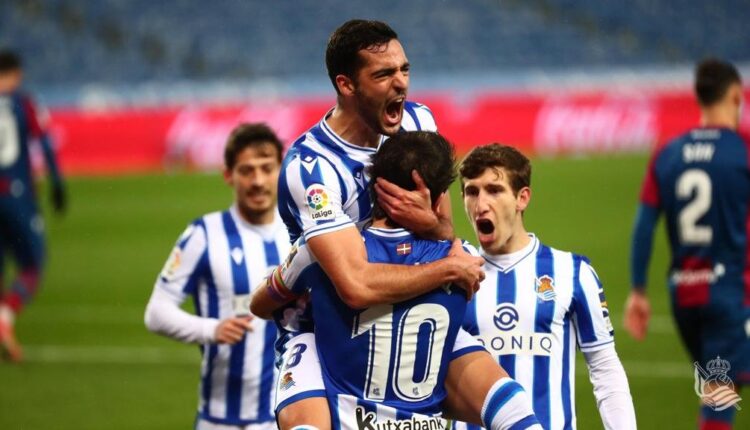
x,y
342,52
495,156
713,77
9,61
429,153
246,135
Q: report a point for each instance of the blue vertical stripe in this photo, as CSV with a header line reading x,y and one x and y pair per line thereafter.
x,y
241,287
409,107
265,412
506,293
581,307
565,383
213,349
470,324
545,311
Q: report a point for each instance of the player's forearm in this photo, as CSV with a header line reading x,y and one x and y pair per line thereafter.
x,y
49,158
642,242
165,317
375,284
266,299
611,389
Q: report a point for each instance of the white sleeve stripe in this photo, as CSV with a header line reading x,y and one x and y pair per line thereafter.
x,y
327,228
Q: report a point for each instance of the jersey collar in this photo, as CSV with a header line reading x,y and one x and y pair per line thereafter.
x,y
506,262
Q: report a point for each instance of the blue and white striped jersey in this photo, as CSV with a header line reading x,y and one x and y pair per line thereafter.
x,y
533,309
217,261
386,365
323,182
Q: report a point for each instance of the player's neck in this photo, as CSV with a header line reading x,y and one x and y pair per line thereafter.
x,y
518,241
346,123
719,116
384,224
256,218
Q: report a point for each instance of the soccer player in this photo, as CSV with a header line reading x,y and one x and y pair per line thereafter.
x,y
700,181
323,197
385,366
538,304
21,225
217,261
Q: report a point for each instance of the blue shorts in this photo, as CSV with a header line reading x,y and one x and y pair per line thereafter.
x,y
21,232
717,331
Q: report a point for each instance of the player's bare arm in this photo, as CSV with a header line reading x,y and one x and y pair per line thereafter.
x,y
361,284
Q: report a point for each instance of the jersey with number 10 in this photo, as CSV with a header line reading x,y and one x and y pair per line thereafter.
x,y
387,363
701,181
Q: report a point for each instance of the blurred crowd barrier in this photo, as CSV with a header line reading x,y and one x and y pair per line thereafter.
x,y
192,136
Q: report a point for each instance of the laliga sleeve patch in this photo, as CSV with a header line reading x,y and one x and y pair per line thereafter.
x,y
318,203
172,264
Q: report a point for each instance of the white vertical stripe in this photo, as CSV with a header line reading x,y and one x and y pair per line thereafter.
x,y
346,406
385,413
525,273
563,267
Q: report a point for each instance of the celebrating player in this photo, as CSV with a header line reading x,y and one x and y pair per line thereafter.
x,y
216,261
385,366
537,304
701,182
21,225
323,197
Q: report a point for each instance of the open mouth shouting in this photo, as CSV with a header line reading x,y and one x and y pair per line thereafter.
x,y
485,231
394,110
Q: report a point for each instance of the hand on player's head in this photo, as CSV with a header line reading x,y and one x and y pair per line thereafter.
x,y
412,210
232,330
469,268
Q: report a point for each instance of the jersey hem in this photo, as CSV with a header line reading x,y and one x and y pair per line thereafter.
x,y
297,397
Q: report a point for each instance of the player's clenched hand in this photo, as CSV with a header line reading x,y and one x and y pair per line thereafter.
x,y
410,209
468,267
637,314
231,330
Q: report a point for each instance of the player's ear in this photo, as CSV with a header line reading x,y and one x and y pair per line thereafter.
x,y
523,198
439,201
345,85
226,173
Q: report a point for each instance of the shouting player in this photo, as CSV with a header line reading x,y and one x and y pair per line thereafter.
x,y
21,225
217,261
385,366
538,304
323,198
702,184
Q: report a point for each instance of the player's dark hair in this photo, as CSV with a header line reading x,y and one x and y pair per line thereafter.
x,y
495,156
429,153
342,52
713,78
247,135
9,61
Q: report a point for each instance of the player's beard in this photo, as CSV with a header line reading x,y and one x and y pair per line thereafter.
x,y
372,111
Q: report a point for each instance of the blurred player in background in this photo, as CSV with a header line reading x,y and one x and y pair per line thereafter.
x,y
217,260
538,304
701,181
21,225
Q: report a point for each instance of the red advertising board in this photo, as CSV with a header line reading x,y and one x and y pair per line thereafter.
x,y
135,140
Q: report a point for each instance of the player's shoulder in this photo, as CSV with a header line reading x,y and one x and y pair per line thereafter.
x,y
553,255
418,117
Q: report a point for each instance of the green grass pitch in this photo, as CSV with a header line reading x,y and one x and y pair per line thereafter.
x,y
91,364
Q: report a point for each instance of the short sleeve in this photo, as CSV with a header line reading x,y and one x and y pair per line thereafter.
x,y
590,310
315,194
186,262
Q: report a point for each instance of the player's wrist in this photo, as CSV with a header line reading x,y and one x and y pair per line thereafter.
x,y
639,290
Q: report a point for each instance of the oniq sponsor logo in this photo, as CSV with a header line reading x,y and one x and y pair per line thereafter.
x,y
715,388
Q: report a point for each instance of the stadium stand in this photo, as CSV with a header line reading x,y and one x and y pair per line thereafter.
x,y
129,41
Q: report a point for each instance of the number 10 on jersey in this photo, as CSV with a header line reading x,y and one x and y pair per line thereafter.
x,y
393,345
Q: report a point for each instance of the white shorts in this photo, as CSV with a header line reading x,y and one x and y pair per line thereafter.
x,y
300,375
201,424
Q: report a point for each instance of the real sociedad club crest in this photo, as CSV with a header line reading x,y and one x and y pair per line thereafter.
x,y
545,288
715,387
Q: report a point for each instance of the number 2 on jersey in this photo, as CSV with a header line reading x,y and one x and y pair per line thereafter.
x,y
379,322
694,183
